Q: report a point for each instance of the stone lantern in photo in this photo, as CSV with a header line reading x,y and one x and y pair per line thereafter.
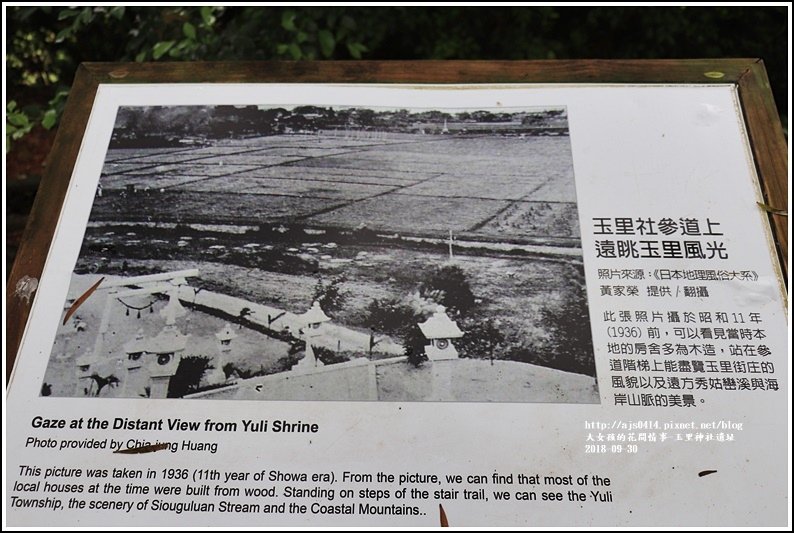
x,y
439,329
85,367
165,350
225,340
312,320
173,309
134,351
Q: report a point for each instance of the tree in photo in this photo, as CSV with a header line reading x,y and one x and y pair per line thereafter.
x,y
103,381
245,312
187,378
482,339
229,370
330,294
391,316
449,286
328,356
570,342
414,346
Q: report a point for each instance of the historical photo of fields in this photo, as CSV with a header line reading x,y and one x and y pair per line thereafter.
x,y
331,253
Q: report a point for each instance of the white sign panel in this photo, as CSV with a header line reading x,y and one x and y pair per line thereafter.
x,y
272,304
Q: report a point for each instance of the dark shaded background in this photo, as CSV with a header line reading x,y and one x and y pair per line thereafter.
x,y
46,44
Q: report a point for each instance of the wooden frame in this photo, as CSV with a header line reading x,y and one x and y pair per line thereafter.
x,y
761,117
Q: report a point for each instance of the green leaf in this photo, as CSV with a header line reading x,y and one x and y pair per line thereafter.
x,y
281,49
60,97
176,51
207,16
189,30
117,12
49,119
161,48
63,34
86,15
10,106
356,49
67,13
20,120
141,57
295,51
288,21
327,42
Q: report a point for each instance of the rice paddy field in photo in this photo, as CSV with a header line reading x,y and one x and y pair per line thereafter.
x,y
264,217
481,187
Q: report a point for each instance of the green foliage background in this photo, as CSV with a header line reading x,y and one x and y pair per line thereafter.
x,y
45,44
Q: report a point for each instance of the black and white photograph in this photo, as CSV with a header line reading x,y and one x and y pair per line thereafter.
x,y
315,252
